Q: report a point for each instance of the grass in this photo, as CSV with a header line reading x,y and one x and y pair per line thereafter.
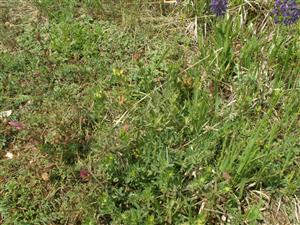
x,y
133,113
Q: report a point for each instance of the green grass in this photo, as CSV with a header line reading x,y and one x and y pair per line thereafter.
x,y
173,126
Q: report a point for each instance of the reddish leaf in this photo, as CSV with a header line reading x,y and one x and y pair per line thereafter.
x,y
136,56
211,88
16,124
84,174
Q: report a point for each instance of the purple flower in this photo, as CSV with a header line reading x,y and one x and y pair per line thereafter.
x,y
218,7
286,11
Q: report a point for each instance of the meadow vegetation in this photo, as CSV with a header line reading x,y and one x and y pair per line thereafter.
x,y
144,112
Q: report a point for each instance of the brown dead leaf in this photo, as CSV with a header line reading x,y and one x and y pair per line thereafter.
x,y
45,176
187,81
136,56
211,87
50,166
226,176
126,128
8,25
121,100
158,79
38,36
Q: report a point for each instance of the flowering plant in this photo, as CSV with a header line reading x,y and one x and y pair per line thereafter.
x,y
285,11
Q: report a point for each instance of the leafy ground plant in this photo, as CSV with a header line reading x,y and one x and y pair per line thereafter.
x,y
145,112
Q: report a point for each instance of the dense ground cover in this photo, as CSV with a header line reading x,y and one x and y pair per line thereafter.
x,y
143,112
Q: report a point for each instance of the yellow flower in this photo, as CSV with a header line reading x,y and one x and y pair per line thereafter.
x,y
118,72
98,94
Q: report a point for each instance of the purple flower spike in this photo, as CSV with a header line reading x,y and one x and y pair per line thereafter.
x,y
286,12
218,7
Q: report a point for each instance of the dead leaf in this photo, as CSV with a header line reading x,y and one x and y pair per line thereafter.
x,y
187,81
126,128
38,36
5,113
50,166
7,24
9,155
226,176
121,100
211,88
16,124
87,137
136,56
45,176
